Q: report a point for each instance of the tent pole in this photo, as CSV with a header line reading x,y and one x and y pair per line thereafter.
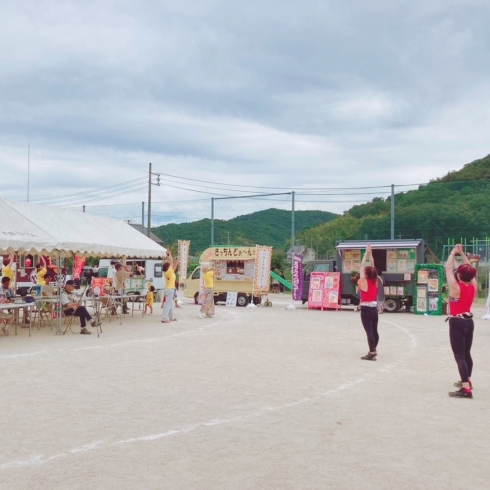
x,y
59,285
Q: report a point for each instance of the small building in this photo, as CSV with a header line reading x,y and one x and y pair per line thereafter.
x,y
308,253
143,230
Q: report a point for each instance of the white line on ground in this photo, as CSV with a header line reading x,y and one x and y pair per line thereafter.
x,y
38,459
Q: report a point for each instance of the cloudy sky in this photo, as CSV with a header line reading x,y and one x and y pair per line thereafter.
x,y
272,95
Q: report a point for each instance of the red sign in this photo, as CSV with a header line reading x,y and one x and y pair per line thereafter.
x,y
324,290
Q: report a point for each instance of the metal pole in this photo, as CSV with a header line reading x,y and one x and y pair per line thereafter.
x,y
28,168
212,221
142,216
292,224
149,202
83,208
392,211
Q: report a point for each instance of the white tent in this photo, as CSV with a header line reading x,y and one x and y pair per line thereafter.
x,y
20,234
71,232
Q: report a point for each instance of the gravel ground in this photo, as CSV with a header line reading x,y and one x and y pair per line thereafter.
x,y
261,398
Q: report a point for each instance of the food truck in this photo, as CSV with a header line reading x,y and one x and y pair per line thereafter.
x,y
236,271
395,261
144,271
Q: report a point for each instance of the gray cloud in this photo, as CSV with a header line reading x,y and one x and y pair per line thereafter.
x,y
302,94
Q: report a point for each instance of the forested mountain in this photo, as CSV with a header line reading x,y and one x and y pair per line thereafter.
x,y
269,227
453,207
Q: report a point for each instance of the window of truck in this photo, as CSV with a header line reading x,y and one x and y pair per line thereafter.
x,y
103,271
196,274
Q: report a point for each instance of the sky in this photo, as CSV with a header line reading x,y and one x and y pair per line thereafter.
x,y
243,98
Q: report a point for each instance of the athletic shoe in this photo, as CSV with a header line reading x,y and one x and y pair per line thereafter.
x,y
462,393
201,315
5,330
459,384
369,357
84,331
95,324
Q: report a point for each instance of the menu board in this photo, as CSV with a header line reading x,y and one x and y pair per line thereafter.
x,y
428,284
397,260
324,290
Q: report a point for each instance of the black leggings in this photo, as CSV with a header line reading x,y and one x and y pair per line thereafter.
x,y
461,337
369,319
81,312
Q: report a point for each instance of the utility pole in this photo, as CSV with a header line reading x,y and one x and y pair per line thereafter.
x,y
150,183
212,221
28,168
392,211
142,216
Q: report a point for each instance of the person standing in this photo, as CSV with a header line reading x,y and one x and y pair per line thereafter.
x,y
7,270
462,290
123,272
207,305
368,289
150,296
41,271
168,293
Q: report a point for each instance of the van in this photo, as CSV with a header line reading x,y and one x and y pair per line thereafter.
x,y
234,272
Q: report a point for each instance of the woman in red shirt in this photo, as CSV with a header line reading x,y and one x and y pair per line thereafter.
x,y
462,290
368,288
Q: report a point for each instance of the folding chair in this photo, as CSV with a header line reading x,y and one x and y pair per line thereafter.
x,y
41,315
69,321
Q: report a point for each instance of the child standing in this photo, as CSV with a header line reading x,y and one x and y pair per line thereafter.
x,y
149,299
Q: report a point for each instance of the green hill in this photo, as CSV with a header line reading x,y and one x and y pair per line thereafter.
x,y
456,206
269,227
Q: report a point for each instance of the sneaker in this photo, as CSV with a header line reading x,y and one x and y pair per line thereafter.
x,y
369,357
459,384
462,393
5,330
95,324
85,331
201,315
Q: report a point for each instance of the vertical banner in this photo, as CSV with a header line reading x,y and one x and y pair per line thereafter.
x,y
263,258
297,277
183,246
78,264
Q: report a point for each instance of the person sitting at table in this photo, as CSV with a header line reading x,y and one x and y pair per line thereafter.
x,y
41,271
71,307
6,295
47,289
123,272
7,291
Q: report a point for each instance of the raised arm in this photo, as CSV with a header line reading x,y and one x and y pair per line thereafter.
x,y
43,260
467,261
450,266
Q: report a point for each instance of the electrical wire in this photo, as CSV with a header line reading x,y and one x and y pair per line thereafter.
x,y
94,191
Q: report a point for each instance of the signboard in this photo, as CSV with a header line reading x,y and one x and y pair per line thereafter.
x,y
324,290
183,248
231,299
428,279
262,279
297,277
242,253
103,283
331,290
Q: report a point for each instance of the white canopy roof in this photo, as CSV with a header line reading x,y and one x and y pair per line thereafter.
x,y
76,232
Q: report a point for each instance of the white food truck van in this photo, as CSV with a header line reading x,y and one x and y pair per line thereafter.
x,y
148,269
234,273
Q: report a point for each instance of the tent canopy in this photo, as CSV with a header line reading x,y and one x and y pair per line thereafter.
x,y
73,232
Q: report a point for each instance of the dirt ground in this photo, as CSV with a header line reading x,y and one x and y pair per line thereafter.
x,y
262,398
